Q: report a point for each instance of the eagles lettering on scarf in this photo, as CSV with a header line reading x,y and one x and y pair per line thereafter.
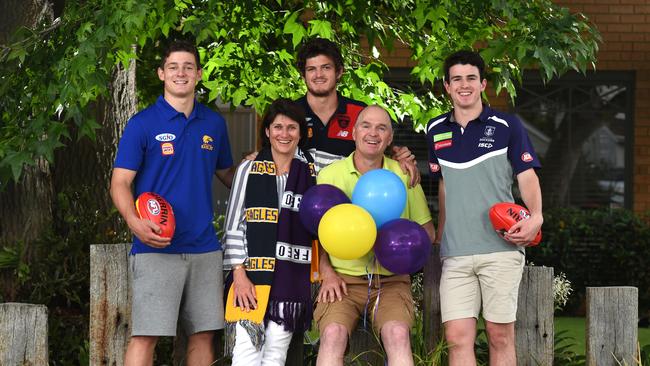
x,y
261,264
262,214
279,249
263,167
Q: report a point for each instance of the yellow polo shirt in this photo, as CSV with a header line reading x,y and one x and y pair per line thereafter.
x,y
344,175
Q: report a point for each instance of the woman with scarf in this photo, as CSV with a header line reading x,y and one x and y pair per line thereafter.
x,y
265,246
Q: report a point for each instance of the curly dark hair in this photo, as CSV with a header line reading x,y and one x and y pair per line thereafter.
x,y
316,47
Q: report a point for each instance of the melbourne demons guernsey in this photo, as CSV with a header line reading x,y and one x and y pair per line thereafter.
x,y
333,141
478,164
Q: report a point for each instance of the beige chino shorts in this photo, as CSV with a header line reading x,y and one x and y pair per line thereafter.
x,y
491,280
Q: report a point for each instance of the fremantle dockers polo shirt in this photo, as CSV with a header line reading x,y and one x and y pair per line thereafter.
x,y
177,157
478,164
331,142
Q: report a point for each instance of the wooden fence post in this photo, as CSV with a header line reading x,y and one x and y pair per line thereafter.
x,y
364,346
534,332
110,303
110,308
612,330
23,334
431,302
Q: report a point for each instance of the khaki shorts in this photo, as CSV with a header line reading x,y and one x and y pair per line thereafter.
x,y
395,303
491,279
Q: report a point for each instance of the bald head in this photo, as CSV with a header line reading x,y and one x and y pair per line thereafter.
x,y
375,112
372,132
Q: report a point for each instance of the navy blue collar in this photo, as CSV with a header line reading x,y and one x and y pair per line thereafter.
x,y
485,114
341,106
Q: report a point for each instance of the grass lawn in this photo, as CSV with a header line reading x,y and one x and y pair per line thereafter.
x,y
575,328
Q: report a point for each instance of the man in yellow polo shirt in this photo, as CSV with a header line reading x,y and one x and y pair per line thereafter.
x,y
348,286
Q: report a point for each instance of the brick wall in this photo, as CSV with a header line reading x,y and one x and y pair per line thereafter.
x,y
625,28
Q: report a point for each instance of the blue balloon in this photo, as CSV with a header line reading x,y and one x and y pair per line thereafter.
x,y
402,246
382,193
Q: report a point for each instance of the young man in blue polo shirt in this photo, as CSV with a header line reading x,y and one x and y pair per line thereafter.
x,y
475,151
174,148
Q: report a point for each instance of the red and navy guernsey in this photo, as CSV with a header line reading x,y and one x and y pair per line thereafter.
x,y
478,164
333,141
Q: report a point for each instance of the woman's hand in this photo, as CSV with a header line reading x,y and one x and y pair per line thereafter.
x,y
243,290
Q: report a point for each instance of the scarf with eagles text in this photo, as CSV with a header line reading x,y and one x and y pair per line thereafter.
x,y
279,251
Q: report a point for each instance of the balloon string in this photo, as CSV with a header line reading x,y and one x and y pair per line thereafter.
x,y
369,275
374,309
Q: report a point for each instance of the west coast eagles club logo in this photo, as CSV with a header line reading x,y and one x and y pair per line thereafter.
x,y
207,143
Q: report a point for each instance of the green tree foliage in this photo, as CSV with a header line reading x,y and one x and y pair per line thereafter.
x,y
50,75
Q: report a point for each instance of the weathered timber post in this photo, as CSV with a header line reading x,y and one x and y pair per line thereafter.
x,y
612,330
110,308
23,334
364,346
431,302
534,332
110,303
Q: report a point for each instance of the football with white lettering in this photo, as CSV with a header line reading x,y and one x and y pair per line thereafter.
x,y
153,207
505,214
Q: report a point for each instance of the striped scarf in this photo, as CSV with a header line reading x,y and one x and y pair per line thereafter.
x,y
279,251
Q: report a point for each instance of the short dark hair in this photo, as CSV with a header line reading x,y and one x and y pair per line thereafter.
x,y
286,107
316,47
465,57
180,45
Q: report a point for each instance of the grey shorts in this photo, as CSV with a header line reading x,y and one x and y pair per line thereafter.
x,y
176,288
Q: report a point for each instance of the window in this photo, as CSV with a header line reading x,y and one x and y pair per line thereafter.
x,y
582,129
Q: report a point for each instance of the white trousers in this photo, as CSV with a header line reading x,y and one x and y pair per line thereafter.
x,y
273,352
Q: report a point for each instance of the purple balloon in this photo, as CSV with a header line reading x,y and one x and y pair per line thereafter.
x,y
316,201
402,246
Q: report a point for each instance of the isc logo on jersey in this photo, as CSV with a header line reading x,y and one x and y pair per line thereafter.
x,y
486,145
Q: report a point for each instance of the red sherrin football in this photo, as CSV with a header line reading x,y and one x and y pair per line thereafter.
x,y
505,214
156,209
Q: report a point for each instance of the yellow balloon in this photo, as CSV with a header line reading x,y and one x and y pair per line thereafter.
x,y
347,231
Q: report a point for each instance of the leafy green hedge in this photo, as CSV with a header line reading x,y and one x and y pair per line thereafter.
x,y
598,247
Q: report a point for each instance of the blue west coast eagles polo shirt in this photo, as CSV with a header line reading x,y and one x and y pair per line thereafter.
x,y
478,165
177,157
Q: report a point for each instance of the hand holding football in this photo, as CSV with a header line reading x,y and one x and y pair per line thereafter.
x,y
151,206
505,214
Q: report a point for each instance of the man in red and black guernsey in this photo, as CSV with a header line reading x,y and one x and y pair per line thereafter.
x,y
475,152
331,116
